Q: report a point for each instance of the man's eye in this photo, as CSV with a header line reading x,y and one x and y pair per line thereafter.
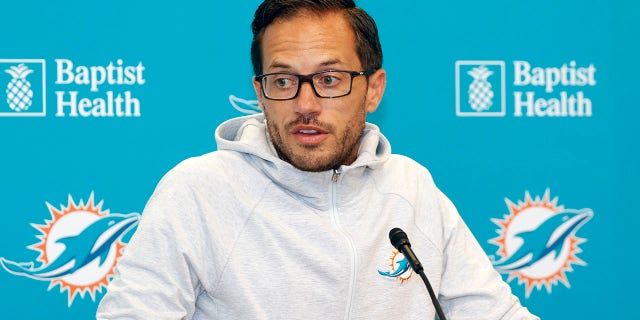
x,y
282,82
329,80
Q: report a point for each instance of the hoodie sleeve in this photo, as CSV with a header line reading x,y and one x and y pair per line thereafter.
x,y
470,287
158,276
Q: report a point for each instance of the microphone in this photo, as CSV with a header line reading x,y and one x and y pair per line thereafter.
x,y
400,241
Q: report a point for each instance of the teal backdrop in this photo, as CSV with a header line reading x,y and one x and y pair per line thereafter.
x,y
521,110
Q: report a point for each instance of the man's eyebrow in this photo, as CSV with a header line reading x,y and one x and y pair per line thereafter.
x,y
330,62
282,65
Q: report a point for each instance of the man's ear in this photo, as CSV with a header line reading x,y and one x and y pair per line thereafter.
x,y
256,87
377,83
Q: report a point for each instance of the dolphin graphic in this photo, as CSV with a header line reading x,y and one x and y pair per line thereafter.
x,y
93,242
403,266
547,238
245,106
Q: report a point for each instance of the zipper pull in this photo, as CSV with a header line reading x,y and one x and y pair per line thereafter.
x,y
336,174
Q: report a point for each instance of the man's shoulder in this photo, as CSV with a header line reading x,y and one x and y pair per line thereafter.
x,y
211,160
398,163
400,172
216,166
404,159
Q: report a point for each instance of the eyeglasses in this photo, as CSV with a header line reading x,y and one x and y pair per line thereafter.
x,y
325,84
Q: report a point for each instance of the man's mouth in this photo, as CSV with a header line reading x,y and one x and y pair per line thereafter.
x,y
309,135
308,130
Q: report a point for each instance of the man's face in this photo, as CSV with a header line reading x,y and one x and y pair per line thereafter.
x,y
313,133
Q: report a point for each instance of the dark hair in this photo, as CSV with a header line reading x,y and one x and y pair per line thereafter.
x,y
368,45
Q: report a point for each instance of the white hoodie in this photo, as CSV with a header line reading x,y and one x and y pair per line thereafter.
x,y
240,234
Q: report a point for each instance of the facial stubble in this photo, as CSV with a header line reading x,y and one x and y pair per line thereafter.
x,y
344,153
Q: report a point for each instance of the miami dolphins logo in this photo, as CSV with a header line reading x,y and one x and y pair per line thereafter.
x,y
399,268
245,106
78,248
537,242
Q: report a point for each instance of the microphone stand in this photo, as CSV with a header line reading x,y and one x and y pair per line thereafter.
x,y
401,242
434,300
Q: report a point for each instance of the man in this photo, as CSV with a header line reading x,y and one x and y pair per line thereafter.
x,y
289,218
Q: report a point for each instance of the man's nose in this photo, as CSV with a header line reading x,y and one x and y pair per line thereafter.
x,y
307,102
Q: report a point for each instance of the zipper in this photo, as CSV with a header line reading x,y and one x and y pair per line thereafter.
x,y
335,219
336,175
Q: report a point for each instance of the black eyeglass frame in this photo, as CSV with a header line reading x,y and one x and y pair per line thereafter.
x,y
309,78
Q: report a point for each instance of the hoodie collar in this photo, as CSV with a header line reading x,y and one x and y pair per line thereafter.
x,y
248,135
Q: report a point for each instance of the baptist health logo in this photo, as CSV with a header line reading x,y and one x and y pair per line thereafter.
x,y
78,248
537,242
481,89
80,90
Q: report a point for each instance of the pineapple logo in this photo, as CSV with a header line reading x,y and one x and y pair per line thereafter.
x,y
480,94
19,91
23,81
478,78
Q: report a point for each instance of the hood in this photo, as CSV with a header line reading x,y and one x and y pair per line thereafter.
x,y
248,135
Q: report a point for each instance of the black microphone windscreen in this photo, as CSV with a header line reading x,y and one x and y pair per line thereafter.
x,y
398,238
